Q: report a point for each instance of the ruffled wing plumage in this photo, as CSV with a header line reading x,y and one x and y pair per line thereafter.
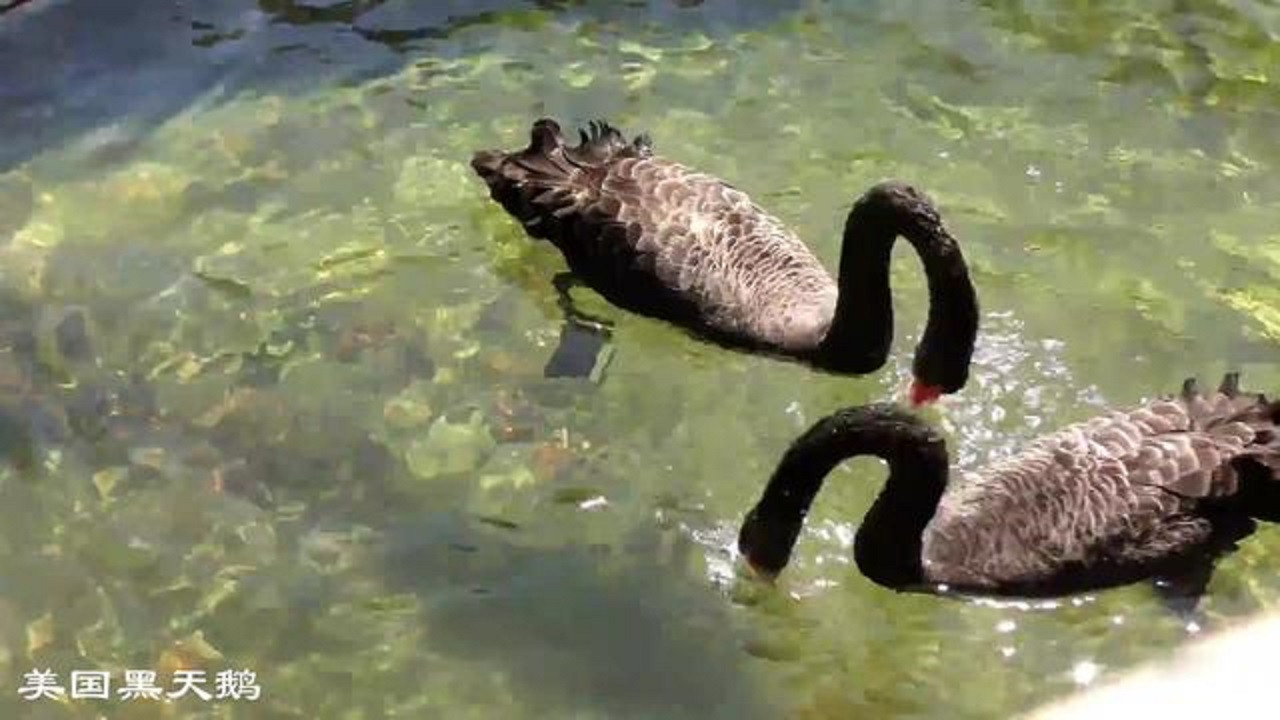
x,y
657,237
1121,489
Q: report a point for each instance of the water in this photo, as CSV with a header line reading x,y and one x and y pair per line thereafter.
x,y
272,391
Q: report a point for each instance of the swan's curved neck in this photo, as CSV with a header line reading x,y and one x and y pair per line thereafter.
x,y
888,543
862,326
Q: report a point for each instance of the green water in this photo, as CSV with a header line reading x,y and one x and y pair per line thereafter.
x,y
310,435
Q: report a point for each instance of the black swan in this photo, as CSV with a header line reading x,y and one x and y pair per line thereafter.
x,y
1111,500
661,239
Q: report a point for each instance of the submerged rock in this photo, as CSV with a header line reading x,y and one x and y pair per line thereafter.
x,y
63,338
71,335
513,418
551,459
431,182
508,470
87,409
24,260
17,445
409,409
17,201
138,199
28,426
450,448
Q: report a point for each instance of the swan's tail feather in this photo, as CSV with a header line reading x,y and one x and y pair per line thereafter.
x,y
1230,385
600,143
1268,455
549,178
543,162
549,161
1231,411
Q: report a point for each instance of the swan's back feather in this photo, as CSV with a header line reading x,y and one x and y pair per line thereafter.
x,y
1117,490
664,239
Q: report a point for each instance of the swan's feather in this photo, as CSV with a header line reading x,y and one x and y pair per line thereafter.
x,y
659,234
1119,489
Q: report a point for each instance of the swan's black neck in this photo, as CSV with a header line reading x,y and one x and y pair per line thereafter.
x,y
862,328
888,543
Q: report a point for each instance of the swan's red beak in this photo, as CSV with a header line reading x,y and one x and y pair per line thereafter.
x,y
923,393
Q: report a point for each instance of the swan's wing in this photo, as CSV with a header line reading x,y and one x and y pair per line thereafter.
x,y
1063,500
1120,488
1184,446
746,273
654,230
1191,446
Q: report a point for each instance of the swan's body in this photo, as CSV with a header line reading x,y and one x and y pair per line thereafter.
x,y
656,237
1097,502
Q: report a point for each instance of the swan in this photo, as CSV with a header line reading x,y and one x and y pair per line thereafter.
x,y
1114,499
655,237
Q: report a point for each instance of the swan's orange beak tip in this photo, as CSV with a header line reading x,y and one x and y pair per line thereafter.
x,y
923,393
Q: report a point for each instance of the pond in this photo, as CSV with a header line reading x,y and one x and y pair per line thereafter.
x,y
271,386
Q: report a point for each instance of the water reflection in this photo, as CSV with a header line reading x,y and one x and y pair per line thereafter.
x,y
120,67
574,628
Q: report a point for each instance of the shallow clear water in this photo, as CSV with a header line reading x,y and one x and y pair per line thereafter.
x,y
271,386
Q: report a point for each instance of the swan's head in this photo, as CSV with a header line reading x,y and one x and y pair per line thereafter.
x,y
942,359
766,543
